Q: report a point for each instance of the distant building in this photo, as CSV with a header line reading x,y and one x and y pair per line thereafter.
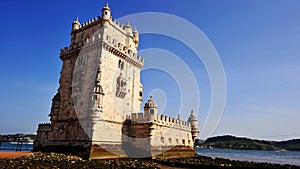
x,y
96,111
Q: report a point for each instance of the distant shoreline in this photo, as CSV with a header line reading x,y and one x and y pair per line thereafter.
x,y
259,156
242,143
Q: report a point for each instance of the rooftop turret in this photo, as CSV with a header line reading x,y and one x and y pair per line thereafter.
x,y
150,104
75,25
106,12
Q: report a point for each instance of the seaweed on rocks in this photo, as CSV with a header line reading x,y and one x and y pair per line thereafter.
x,y
55,160
62,161
208,162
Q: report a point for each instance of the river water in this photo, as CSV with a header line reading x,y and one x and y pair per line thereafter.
x,y
279,157
276,157
11,147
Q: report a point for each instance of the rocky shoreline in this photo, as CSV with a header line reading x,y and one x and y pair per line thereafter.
x,y
54,160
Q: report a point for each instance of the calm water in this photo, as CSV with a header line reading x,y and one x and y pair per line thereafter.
x,y
11,147
279,157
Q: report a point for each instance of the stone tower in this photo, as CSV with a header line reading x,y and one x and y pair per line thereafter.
x,y
96,111
99,86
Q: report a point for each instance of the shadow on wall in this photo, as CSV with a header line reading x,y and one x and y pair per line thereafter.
x,y
136,139
81,148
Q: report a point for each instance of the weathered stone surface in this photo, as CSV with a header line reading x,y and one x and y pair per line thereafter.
x,y
96,111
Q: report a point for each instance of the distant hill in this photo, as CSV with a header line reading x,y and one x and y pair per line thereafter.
x,y
242,143
289,145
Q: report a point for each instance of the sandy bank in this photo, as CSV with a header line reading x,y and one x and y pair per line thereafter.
x,y
13,154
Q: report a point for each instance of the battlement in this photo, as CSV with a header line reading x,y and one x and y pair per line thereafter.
x,y
44,127
110,43
99,29
90,22
122,49
122,28
71,48
125,29
160,120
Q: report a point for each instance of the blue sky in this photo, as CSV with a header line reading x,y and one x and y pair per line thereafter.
x,y
257,41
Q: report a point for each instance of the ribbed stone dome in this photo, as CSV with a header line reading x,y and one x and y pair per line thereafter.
x,y
150,104
192,116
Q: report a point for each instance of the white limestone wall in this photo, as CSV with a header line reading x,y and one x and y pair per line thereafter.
x,y
169,136
108,128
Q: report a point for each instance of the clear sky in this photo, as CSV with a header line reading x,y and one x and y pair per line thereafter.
x,y
257,41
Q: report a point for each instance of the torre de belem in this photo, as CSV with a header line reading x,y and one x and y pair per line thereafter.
x,y
96,111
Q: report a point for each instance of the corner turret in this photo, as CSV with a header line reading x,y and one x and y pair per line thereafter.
x,y
75,25
106,13
194,124
128,28
150,109
135,37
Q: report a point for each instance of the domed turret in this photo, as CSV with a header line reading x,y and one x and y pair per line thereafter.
x,y
150,104
192,117
150,109
106,12
75,24
194,125
128,29
135,37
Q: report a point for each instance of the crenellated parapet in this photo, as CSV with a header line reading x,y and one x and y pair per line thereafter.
x,y
44,127
105,21
125,29
85,34
110,45
77,26
127,54
159,119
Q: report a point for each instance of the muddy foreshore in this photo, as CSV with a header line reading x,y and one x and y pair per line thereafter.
x,y
54,160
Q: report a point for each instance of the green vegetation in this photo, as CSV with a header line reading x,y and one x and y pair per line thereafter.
x,y
293,145
231,142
